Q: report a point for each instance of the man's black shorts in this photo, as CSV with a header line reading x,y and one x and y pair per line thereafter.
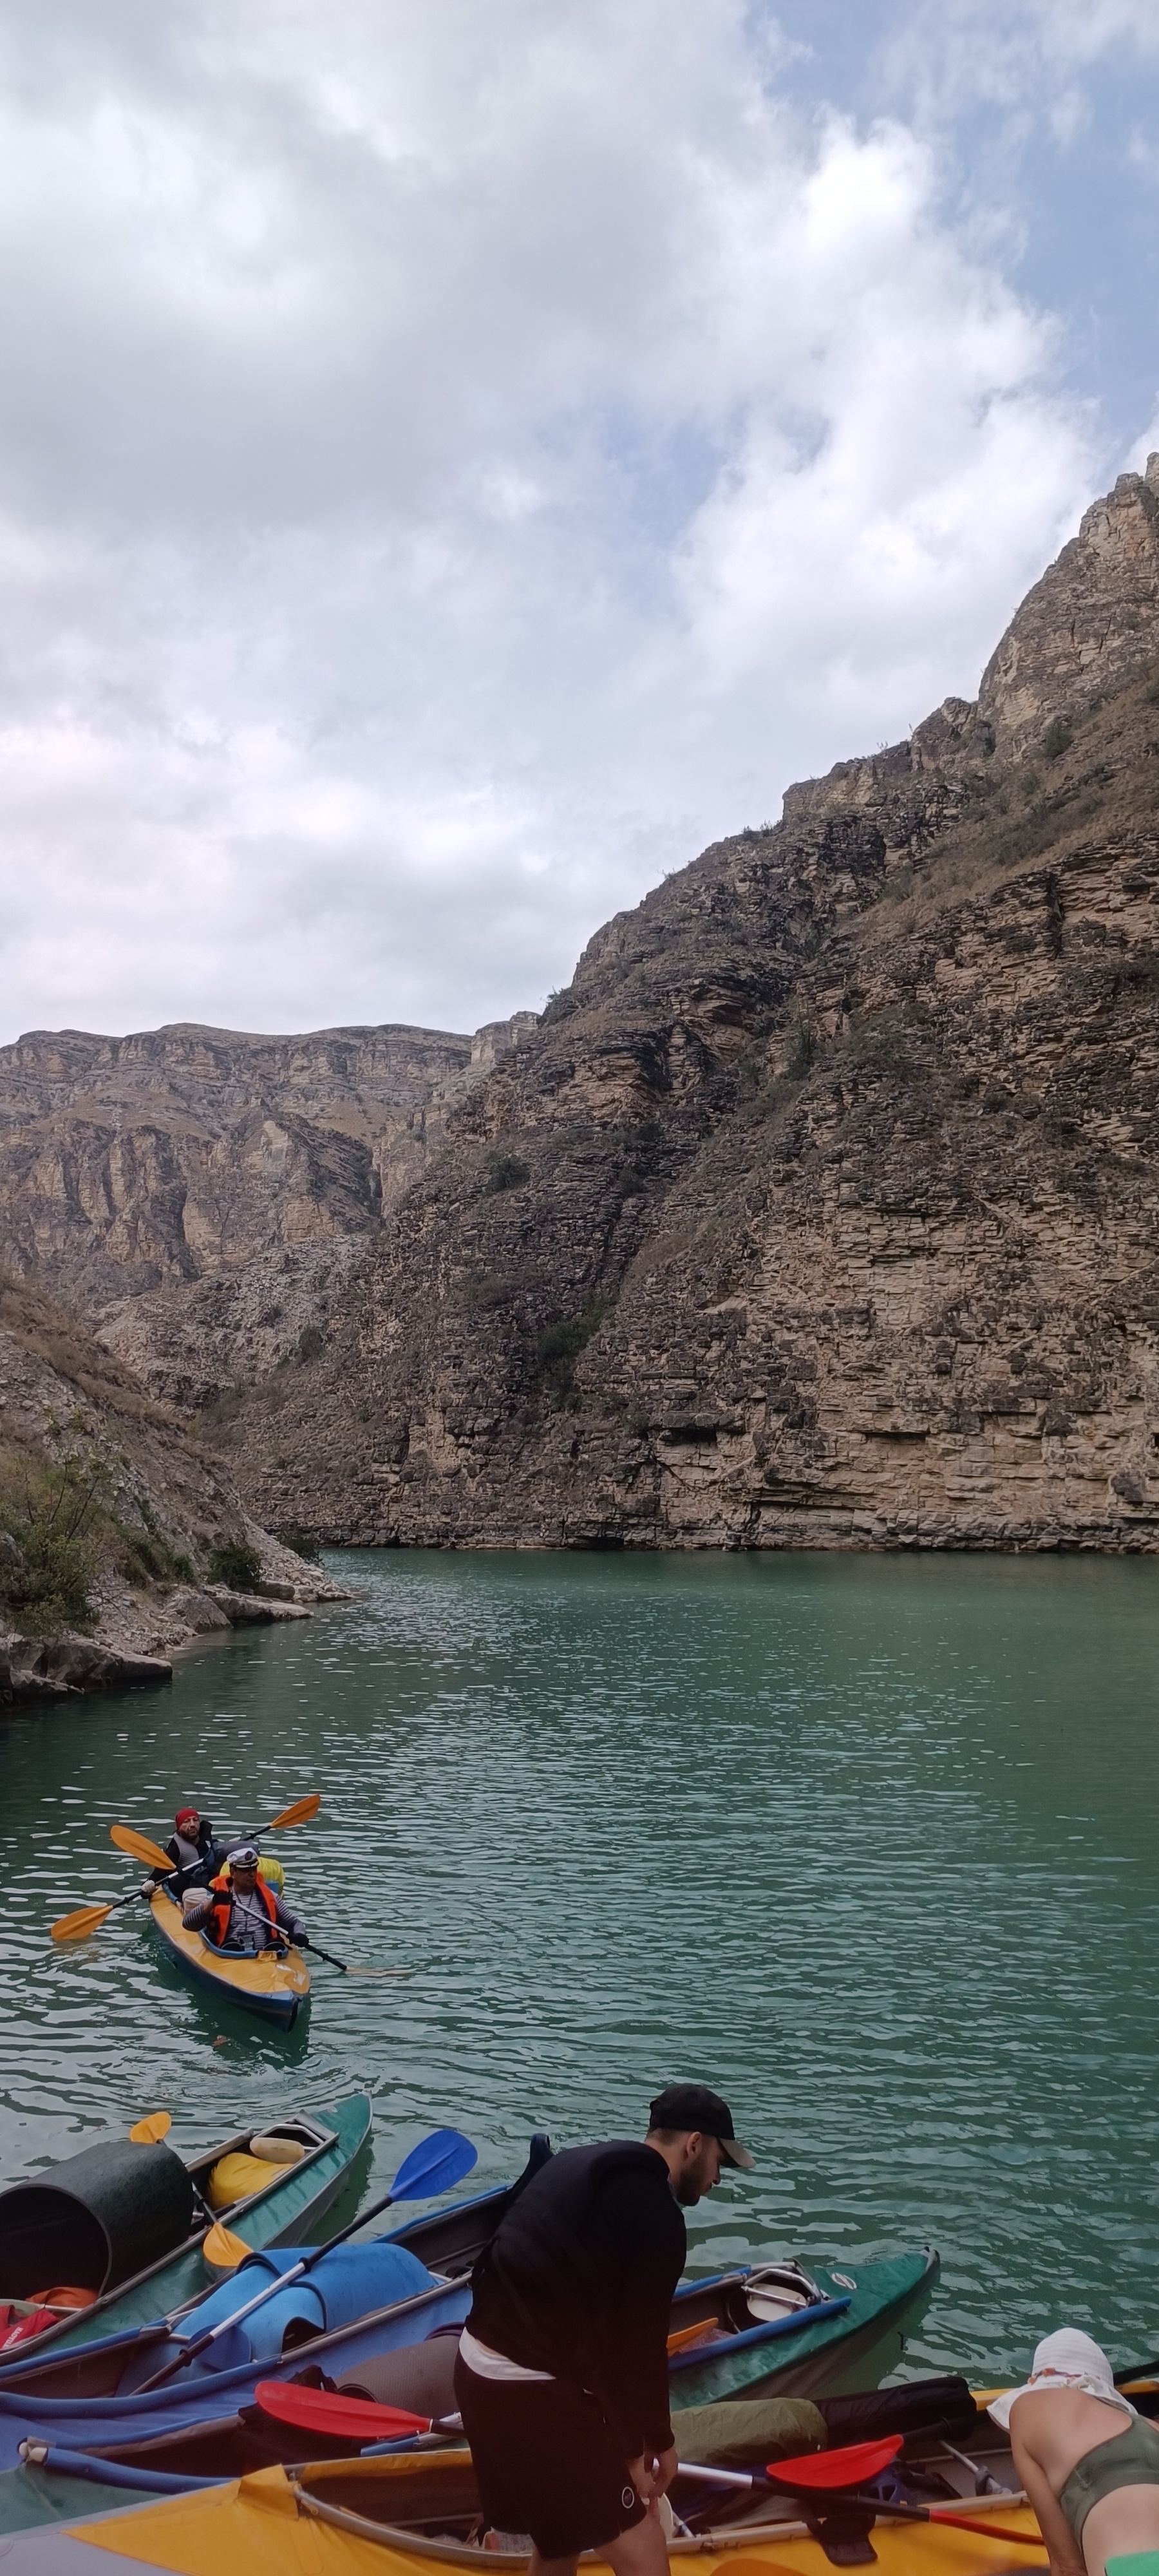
x,y
546,2462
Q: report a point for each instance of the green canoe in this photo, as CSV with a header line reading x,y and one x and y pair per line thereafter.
x,y
286,2212
865,2312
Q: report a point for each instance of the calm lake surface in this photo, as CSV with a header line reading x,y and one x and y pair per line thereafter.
x,y
868,1842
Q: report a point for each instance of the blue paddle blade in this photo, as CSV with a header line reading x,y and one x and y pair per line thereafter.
x,y
436,2165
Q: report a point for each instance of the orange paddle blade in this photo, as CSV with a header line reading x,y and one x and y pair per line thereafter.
x,y
223,2249
299,1814
74,1927
686,2335
150,2131
140,1847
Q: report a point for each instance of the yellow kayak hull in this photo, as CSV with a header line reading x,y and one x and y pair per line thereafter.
x,y
282,2520
275,1986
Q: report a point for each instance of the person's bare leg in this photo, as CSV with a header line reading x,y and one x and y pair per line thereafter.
x,y
642,2551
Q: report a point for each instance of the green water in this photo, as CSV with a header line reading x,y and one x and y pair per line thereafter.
x,y
869,1842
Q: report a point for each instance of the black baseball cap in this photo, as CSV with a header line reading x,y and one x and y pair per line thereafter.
x,y
696,2106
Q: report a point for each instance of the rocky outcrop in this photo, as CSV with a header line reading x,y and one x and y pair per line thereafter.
x,y
823,1207
82,1446
1086,628
36,1669
199,1195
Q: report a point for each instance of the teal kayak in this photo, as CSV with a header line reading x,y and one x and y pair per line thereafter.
x,y
285,2212
759,2340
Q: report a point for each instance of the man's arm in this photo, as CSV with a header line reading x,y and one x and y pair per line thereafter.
x,y
294,1924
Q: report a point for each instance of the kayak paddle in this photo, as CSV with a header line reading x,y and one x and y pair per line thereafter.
x,y
300,1942
223,2249
150,2131
836,2473
353,2419
127,1839
88,1918
434,2166
140,1848
299,1814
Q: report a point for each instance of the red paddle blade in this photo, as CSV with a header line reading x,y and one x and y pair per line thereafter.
x,y
847,2468
325,2410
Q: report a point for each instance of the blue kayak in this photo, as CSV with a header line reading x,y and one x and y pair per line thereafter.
x,y
727,2344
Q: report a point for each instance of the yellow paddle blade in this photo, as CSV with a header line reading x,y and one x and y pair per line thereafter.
x,y
150,2131
73,1927
223,2250
140,1847
299,1814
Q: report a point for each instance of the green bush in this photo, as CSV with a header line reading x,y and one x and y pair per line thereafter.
x,y
1058,737
150,1554
53,1515
236,1564
506,1172
559,1346
311,1342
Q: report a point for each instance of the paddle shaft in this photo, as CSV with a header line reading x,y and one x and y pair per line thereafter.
x,y
956,2521
299,1942
135,1897
907,2512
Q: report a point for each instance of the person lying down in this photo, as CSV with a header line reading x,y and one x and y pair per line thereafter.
x,y
1088,2461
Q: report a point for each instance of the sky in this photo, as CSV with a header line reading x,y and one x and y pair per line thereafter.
x,y
458,458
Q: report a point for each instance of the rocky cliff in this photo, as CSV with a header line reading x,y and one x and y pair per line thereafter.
x,y
142,1508
201,1195
822,1209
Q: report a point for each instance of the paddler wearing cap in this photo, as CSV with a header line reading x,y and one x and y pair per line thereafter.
x,y
1088,2461
192,1849
562,2374
238,1910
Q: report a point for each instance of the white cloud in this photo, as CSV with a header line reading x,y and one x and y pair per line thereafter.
x,y
458,461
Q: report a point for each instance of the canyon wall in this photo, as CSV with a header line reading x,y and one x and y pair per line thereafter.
x,y
200,1194
822,1209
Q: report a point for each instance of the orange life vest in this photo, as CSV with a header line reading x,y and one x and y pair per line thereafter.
x,y
217,1928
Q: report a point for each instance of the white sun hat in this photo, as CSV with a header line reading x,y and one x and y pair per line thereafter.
x,y
1066,2359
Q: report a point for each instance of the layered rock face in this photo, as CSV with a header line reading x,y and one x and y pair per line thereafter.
x,y
199,1194
165,1504
823,1208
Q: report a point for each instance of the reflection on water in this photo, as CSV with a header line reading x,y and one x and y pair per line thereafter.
x,y
868,1842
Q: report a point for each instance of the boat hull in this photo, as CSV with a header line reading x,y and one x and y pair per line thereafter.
x,y
285,2212
337,2524
275,1986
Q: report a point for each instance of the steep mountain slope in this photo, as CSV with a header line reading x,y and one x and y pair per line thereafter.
x,y
198,1193
85,1456
822,1208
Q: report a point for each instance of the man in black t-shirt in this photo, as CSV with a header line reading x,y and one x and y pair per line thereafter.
x,y
562,2375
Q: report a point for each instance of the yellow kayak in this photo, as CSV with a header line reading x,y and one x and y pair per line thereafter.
x,y
274,1985
349,2518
